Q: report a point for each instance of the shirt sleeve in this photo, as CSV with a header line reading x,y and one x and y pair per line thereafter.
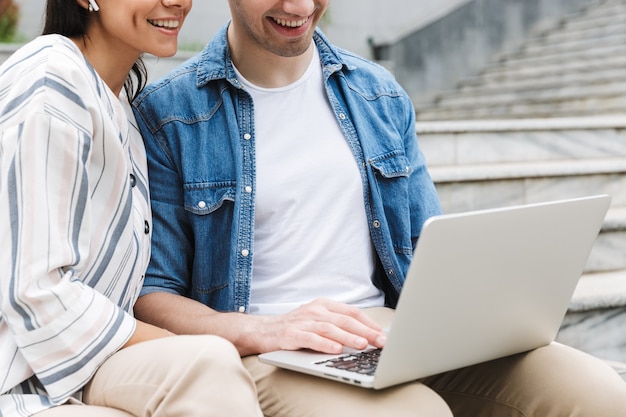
x,y
63,328
425,201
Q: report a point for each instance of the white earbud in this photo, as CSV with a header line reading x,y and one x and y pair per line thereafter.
x,y
93,6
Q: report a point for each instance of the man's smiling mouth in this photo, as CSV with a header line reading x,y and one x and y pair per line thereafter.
x,y
290,23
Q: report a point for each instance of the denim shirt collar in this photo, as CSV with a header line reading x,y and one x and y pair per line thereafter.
x,y
215,61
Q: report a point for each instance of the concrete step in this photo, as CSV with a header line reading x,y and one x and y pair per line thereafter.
x,y
478,86
594,17
589,50
538,47
609,250
594,28
498,74
582,32
600,104
597,10
560,92
596,320
471,142
471,187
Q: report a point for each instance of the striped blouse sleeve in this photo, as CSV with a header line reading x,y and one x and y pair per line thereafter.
x,y
63,328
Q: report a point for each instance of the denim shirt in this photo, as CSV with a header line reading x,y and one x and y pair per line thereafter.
x,y
198,127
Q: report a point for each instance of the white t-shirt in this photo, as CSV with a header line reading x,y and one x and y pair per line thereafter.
x,y
311,236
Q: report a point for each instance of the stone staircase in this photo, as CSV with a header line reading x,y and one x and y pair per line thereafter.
x,y
547,122
575,69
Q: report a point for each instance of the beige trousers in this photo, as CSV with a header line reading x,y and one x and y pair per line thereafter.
x,y
181,376
553,381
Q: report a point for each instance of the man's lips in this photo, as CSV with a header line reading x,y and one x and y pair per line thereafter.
x,y
291,23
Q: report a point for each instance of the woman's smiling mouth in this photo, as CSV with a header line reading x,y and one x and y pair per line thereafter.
x,y
166,24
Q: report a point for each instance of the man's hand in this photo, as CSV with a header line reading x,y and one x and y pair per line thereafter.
x,y
322,325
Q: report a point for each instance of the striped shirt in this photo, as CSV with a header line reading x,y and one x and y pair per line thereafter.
x,y
74,223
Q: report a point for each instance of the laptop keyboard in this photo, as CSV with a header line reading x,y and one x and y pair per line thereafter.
x,y
361,362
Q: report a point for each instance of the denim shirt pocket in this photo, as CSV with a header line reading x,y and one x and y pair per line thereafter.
x,y
391,165
210,206
392,172
202,199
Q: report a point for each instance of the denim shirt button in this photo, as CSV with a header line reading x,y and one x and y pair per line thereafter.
x,y
245,253
242,309
248,189
376,224
201,204
247,136
342,116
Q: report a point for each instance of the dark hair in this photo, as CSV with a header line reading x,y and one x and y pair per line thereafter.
x,y
68,18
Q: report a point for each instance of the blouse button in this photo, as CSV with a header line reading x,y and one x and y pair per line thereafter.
x,y
133,180
146,228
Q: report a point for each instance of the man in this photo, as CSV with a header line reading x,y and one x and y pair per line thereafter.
x,y
288,194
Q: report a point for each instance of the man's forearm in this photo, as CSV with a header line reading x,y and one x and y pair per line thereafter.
x,y
183,315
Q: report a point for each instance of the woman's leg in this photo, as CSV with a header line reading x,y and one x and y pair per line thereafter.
x,y
180,376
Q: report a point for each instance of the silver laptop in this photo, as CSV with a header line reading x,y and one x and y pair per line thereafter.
x,y
482,285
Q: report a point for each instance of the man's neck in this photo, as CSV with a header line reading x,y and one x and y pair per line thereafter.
x,y
265,69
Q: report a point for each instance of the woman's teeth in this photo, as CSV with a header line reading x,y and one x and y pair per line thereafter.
x,y
168,24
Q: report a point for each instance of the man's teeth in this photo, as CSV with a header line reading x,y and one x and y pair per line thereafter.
x,y
291,23
168,24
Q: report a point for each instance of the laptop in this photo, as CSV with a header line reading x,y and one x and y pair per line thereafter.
x,y
482,285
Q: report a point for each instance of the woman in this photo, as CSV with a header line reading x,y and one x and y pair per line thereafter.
x,y
75,227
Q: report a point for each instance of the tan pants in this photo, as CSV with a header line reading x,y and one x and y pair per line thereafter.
x,y
182,376
554,381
